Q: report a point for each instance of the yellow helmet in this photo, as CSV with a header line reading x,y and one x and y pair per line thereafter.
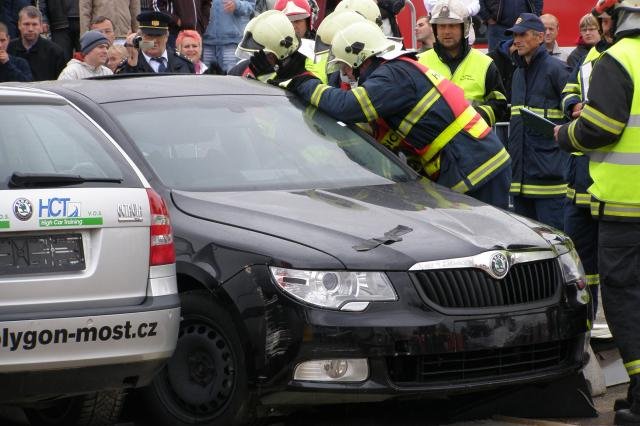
x,y
358,42
330,25
272,32
451,12
367,8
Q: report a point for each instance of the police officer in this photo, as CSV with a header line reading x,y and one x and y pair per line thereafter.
x,y
428,118
608,129
467,67
579,224
148,52
538,187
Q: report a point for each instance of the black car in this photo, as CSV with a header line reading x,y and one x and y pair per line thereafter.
x,y
315,267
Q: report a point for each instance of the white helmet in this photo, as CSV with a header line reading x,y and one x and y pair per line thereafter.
x,y
451,12
330,25
358,42
367,8
272,32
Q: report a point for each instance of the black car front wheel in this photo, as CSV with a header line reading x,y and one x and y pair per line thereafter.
x,y
205,381
94,409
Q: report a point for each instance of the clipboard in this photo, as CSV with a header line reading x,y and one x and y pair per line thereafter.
x,y
537,123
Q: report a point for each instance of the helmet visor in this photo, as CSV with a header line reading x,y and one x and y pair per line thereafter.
x,y
249,44
320,46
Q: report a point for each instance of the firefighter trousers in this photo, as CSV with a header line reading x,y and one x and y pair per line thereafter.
x,y
619,266
582,228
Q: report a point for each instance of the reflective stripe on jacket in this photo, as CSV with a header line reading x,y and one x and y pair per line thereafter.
x,y
538,163
615,168
578,178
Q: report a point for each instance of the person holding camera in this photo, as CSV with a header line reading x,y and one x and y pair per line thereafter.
x,y
148,51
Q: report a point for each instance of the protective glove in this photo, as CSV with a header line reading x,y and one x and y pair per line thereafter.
x,y
259,64
292,84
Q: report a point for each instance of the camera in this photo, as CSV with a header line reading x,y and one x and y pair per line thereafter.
x,y
136,41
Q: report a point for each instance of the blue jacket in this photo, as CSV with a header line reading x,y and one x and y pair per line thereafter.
x,y
390,90
17,69
505,12
227,28
538,163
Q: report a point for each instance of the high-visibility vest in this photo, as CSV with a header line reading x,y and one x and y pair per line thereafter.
x,y
470,75
615,168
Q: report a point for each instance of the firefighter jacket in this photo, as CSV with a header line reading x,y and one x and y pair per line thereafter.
x,y
427,116
476,74
608,130
538,163
578,178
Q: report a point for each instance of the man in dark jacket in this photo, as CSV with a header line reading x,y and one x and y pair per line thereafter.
x,y
11,68
150,54
45,58
538,186
62,19
501,14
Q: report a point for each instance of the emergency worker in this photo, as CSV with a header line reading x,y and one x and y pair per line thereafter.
x,y
367,8
152,55
272,45
299,13
608,128
332,24
428,119
539,188
467,67
579,224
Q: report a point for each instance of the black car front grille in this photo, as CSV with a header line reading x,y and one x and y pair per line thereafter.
x,y
473,288
479,365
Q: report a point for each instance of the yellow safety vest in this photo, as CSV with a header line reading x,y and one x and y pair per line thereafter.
x,y
319,68
470,74
615,169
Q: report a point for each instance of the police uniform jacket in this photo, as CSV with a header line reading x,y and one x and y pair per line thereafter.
x,y
538,163
176,63
393,89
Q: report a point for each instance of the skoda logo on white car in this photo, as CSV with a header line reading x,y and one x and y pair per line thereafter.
x,y
22,209
499,265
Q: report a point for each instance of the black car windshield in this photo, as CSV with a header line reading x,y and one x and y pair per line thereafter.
x,y
248,143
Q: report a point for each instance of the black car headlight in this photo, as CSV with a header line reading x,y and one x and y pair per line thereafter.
x,y
340,290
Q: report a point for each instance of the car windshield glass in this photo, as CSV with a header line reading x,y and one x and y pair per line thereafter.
x,y
243,143
54,140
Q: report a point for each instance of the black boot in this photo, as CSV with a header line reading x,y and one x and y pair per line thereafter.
x,y
621,404
626,417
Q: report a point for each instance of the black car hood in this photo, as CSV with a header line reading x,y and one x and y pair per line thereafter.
x,y
443,224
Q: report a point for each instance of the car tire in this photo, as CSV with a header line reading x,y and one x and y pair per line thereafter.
x,y
205,381
94,409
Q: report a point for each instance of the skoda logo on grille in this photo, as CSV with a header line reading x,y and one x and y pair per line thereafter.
x,y
22,209
499,265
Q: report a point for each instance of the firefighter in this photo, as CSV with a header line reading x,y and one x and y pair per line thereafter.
x,y
467,67
608,130
367,8
538,187
299,13
271,43
579,224
428,118
330,25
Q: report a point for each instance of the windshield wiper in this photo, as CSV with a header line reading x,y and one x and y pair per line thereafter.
x,y
29,180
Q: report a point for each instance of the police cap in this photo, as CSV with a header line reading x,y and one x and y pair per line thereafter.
x,y
153,22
